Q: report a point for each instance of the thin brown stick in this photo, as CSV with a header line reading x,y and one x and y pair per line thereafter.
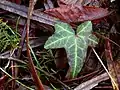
x,y
82,77
31,64
51,76
103,66
14,72
92,82
22,11
12,59
99,35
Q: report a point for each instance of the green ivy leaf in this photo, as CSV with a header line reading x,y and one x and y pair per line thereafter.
x,y
75,44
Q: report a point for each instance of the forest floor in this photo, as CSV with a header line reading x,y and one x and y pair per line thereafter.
x,y
59,44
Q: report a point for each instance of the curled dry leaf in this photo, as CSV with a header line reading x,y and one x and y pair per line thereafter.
x,y
75,13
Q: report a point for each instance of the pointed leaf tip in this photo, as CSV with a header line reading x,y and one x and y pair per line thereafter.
x,y
76,47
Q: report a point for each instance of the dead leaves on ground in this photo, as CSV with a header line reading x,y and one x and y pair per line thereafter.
x,y
75,13
113,66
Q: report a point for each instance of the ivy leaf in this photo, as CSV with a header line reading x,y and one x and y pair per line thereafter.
x,y
74,44
63,33
93,40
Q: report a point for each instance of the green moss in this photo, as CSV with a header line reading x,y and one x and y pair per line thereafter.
x,y
8,38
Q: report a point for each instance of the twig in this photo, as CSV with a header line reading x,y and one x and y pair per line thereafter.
x,y
103,66
31,64
22,11
92,83
15,79
21,43
14,71
79,78
38,67
33,43
49,75
97,34
13,59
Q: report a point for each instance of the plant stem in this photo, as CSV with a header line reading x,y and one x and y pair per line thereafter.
x,y
31,64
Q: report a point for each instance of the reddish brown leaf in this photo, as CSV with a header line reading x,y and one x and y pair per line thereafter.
x,y
61,58
2,81
15,1
75,13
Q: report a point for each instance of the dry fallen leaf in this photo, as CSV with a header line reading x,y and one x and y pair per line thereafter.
x,y
61,58
75,13
2,82
113,66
